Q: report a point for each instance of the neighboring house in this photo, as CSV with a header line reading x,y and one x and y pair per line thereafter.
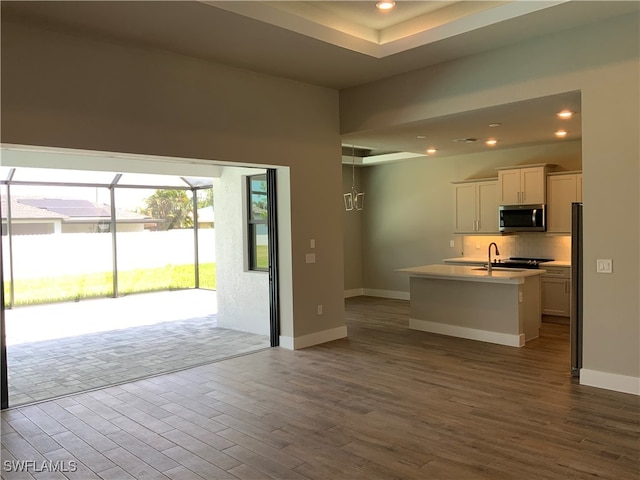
x,y
33,216
206,217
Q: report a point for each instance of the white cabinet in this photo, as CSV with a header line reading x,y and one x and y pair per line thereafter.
x,y
476,206
556,291
562,191
522,186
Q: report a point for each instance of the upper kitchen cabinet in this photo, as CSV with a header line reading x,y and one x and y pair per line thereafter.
x,y
562,190
522,185
476,206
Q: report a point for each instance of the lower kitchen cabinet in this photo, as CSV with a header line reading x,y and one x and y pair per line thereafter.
x,y
556,291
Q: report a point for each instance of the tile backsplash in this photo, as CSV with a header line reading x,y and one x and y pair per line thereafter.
x,y
540,245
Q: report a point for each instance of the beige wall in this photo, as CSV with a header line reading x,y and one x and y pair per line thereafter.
x,y
352,234
242,294
601,61
68,91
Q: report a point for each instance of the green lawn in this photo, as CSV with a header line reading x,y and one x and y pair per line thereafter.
x,y
76,287
262,252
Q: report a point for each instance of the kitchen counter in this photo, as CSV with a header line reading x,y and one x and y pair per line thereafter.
x,y
464,301
466,260
472,273
556,263
483,261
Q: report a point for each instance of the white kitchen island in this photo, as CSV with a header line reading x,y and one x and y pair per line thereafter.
x,y
466,301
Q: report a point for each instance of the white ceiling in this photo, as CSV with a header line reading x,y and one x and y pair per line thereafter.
x,y
344,44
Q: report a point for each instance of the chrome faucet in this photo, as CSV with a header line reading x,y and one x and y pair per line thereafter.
x,y
497,253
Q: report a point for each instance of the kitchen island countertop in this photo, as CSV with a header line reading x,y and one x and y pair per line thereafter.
x,y
472,273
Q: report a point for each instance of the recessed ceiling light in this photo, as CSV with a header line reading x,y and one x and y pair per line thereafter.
x,y
385,6
491,142
565,114
421,136
560,133
431,151
496,124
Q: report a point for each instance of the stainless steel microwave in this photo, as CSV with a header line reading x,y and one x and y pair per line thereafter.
x,y
522,218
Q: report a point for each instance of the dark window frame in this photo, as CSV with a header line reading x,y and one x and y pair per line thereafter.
x,y
254,223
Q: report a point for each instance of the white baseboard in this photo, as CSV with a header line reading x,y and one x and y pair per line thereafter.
x,y
355,292
317,338
610,381
371,292
511,340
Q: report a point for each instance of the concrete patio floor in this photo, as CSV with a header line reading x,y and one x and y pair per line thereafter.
x,y
59,349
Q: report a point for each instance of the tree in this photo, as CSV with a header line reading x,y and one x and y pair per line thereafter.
x,y
205,197
174,206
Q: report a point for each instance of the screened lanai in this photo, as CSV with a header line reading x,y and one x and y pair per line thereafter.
x,y
108,276
43,207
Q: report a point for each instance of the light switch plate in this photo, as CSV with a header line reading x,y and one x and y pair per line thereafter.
x,y
604,265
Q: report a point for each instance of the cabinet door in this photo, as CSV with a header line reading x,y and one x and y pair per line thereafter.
x,y
465,205
556,296
533,185
487,207
562,190
509,186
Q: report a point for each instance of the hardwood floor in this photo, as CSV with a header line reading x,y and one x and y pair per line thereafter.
x,y
385,403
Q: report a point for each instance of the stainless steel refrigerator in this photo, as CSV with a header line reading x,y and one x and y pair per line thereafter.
x,y
576,288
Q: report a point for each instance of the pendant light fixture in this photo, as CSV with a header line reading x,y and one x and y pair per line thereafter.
x,y
353,200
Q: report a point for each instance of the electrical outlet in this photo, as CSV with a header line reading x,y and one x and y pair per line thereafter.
x,y
604,265
452,243
319,309
310,258
520,297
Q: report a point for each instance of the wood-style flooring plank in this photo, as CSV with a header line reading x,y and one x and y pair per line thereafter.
x,y
385,403
197,464
202,449
135,466
151,454
262,464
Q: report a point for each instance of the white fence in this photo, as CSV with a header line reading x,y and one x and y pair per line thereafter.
x,y
36,256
